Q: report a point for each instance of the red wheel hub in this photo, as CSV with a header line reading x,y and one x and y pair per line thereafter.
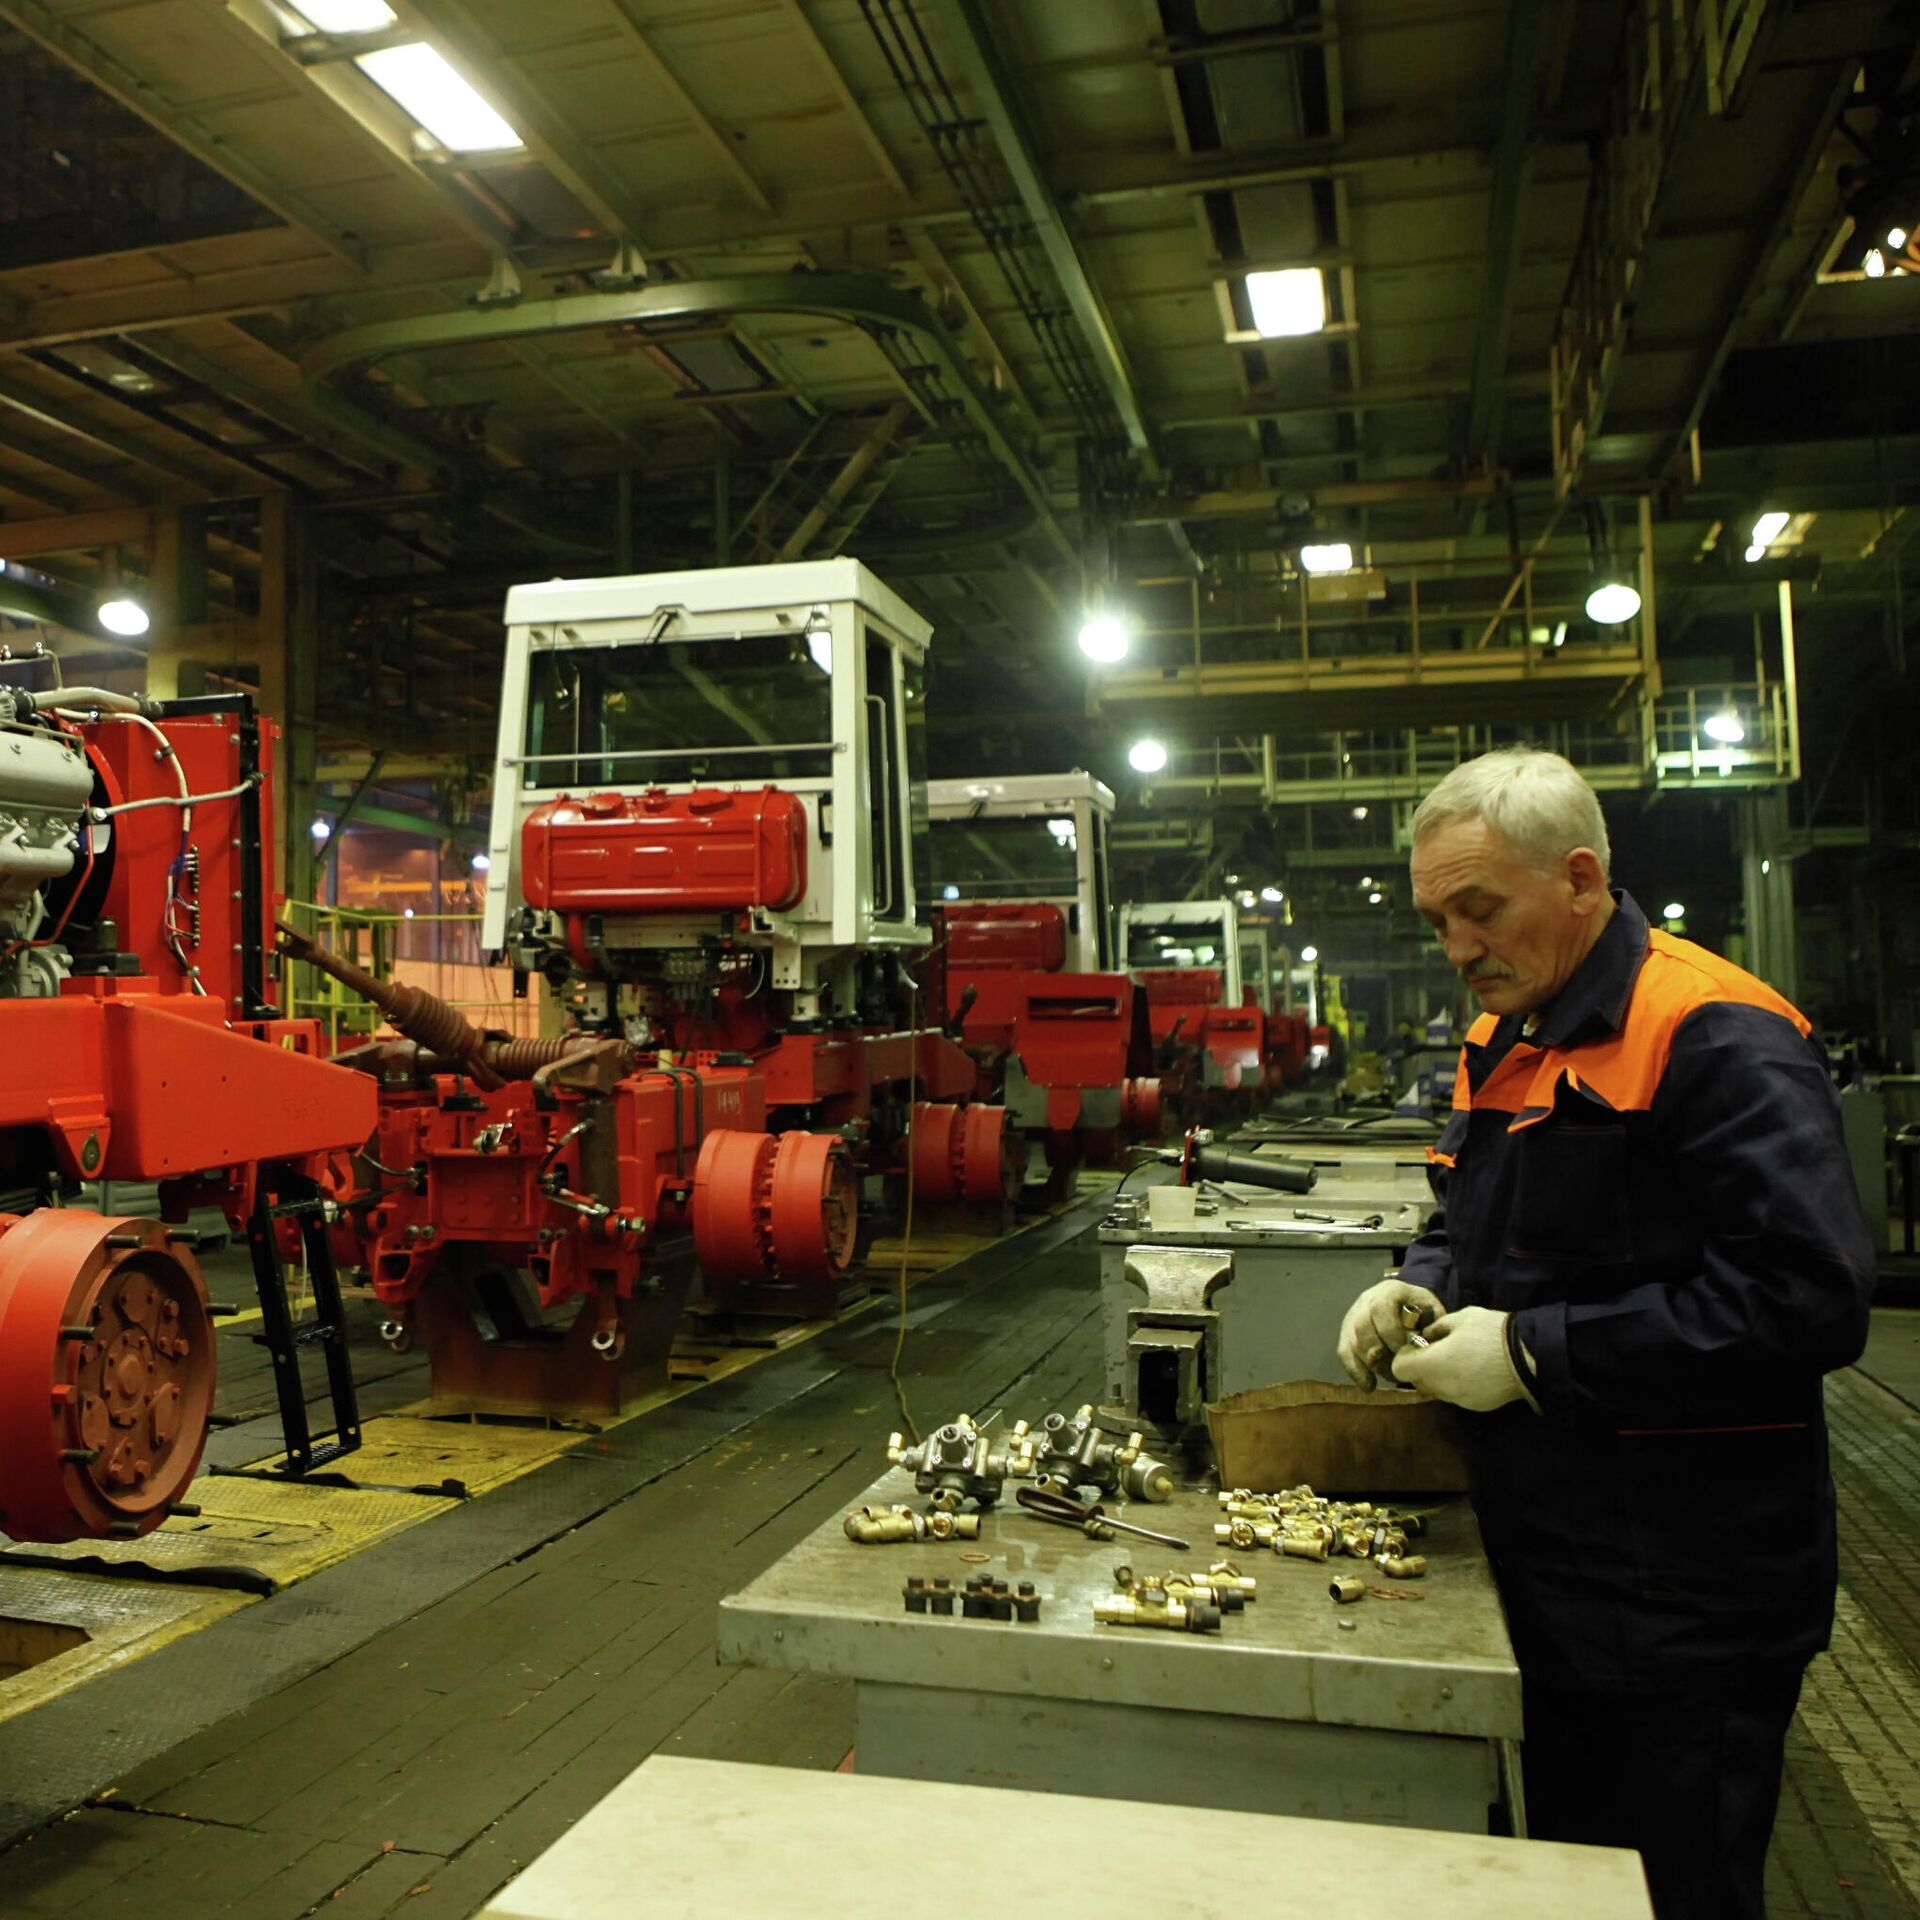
x,y
1140,1108
936,1151
966,1153
993,1158
816,1207
106,1375
733,1208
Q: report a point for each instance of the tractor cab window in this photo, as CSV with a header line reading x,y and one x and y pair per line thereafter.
x,y
1002,859
1171,944
673,712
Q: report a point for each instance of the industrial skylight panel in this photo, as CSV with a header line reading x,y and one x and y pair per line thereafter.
x,y
346,16
1287,301
418,77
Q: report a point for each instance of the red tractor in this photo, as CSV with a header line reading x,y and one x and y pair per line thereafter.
x,y
707,818
1209,1032
138,1014
1018,889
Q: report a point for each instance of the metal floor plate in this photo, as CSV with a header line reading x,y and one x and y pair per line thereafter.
x,y
120,1619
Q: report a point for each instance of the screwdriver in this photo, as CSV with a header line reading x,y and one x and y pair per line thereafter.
x,y
1064,1510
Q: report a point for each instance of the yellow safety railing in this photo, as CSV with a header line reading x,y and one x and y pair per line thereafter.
x,y
379,942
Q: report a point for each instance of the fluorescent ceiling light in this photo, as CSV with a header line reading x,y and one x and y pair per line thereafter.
x,y
1146,756
1897,239
1612,601
1769,527
1062,830
1334,558
1359,813
346,16
949,892
1373,899
321,829
1673,910
418,77
1756,552
1291,301
1272,896
1876,264
1724,727
1246,899
1309,954
126,617
1105,639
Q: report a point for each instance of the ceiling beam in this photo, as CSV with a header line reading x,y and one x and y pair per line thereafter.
x,y
718,143
75,532
138,94
281,410
1527,22
946,283
966,30
169,300
46,410
796,13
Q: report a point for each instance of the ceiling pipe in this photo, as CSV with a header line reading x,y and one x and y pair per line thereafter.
x,y
865,301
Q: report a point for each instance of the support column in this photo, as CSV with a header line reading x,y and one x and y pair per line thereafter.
x,y
299,689
177,602
1766,884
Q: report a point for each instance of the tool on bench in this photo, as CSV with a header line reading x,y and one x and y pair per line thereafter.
x,y
1062,1509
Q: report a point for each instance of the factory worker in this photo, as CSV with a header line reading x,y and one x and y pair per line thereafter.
x,y
1649,1251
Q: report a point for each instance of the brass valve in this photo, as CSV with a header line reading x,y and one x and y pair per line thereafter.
x,y
1157,1608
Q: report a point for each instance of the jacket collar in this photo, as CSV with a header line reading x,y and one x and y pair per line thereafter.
x,y
1594,1001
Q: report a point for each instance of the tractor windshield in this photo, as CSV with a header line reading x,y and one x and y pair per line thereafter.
x,y
1190,943
1003,859
677,712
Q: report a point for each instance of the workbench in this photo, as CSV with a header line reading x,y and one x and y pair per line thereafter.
x,y
688,1839
1405,1713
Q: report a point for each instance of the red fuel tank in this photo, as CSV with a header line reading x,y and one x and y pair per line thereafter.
x,y
1026,936
666,852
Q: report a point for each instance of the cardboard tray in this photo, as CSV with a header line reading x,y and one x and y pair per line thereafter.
x,y
1336,1439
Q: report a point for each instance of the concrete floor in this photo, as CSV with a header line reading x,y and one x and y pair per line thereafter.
x,y
399,1734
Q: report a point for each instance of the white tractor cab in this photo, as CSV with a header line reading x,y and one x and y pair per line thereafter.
x,y
1187,954
1256,964
1031,840
713,777
1185,936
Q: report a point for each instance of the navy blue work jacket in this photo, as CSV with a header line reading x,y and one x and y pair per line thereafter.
x,y
1654,1184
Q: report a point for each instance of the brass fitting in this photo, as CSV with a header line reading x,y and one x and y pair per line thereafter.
x,y
1347,1588
1411,1566
1303,1543
1176,1616
887,1526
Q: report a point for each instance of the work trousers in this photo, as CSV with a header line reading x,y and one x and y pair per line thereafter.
x,y
1690,1781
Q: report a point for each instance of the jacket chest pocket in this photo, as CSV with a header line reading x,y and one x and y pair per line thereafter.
x,y
1571,1199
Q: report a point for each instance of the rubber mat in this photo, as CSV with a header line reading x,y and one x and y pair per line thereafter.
x,y
408,1452
251,1536
115,1621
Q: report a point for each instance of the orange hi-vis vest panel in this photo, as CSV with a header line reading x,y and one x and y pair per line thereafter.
x,y
1621,1071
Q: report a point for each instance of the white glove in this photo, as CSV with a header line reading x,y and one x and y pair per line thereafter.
x,y
1374,1330
1465,1361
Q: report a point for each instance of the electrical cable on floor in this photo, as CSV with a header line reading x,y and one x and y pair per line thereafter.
x,y
906,1243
